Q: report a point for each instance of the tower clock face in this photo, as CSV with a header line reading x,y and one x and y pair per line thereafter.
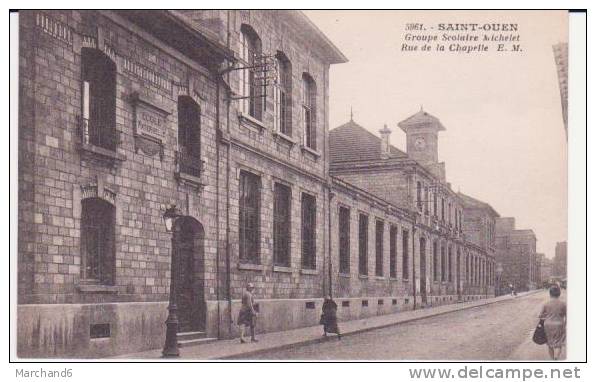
x,y
420,143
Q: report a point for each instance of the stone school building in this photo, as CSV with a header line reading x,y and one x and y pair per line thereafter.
x,y
224,114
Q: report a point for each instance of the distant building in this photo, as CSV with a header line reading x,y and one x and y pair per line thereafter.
x,y
560,261
546,268
516,251
561,60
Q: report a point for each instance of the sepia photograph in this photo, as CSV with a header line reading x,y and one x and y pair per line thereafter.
x,y
287,185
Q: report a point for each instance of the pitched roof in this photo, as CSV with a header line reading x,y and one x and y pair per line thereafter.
x,y
471,202
421,118
352,142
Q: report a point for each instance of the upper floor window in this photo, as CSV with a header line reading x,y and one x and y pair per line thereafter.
x,y
189,136
309,111
309,227
249,220
443,209
99,99
363,245
98,220
281,224
426,200
250,56
283,95
419,195
344,240
434,204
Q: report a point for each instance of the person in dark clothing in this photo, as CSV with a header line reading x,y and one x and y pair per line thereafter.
x,y
329,317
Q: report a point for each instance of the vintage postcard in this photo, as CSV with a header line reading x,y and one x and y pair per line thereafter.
x,y
292,185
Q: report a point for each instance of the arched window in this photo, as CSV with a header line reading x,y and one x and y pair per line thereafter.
x,y
250,55
189,136
99,98
98,222
309,111
283,95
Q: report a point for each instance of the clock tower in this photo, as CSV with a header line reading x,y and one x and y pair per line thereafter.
x,y
422,136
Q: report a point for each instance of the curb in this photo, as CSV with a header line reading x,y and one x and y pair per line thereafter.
x,y
362,330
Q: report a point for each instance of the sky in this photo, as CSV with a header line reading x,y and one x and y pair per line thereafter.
x,y
504,141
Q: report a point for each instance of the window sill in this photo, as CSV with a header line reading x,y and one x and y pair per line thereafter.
x,y
251,122
345,275
189,179
284,137
250,267
97,288
393,279
282,269
363,277
104,153
312,152
379,277
309,271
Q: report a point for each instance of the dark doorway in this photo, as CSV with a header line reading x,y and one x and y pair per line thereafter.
x,y
457,274
423,269
190,280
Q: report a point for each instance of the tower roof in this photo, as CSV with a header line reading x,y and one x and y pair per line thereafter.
x,y
420,120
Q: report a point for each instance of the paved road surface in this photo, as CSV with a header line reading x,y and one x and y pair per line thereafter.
x,y
499,331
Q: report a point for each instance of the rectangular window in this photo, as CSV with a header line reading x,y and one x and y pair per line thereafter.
x,y
363,244
281,224
309,94
249,224
309,224
435,268
282,100
344,240
405,257
393,252
426,200
419,195
443,209
443,263
379,228
450,264
434,204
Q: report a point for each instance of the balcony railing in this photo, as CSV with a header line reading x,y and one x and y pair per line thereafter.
x,y
188,163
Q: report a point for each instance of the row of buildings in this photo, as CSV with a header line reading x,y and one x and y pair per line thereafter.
x,y
223,114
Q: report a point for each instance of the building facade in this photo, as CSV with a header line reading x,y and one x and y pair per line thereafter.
x,y
516,251
560,260
222,117
561,53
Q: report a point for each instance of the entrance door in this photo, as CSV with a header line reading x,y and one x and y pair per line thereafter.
x,y
188,244
423,269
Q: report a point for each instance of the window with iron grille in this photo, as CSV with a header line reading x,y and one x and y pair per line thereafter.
x,y
344,240
99,99
283,95
281,224
98,220
189,136
309,112
363,244
249,224
250,86
379,228
435,269
393,252
406,255
443,263
309,225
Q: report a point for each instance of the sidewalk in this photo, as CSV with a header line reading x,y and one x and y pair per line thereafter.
x,y
226,349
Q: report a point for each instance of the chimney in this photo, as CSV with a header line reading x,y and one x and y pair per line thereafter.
x,y
385,148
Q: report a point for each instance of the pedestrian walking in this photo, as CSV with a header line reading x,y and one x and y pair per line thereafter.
x,y
248,315
554,314
329,317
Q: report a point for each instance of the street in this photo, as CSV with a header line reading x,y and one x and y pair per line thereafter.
x,y
500,331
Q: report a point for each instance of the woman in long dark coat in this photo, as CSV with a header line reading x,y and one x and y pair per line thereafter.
x,y
554,314
329,317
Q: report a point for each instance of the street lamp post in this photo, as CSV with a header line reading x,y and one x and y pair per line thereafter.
x,y
170,348
499,271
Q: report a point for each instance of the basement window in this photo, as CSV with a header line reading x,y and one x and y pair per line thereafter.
x,y
99,331
394,301
364,303
380,302
310,305
345,304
